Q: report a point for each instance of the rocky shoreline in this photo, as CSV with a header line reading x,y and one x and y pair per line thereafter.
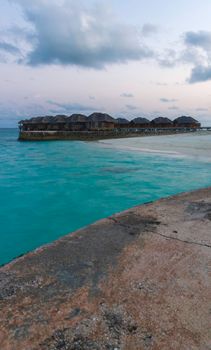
x,y
136,280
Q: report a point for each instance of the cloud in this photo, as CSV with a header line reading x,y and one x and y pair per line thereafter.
x,y
173,108
202,109
168,58
198,39
131,107
71,107
200,74
167,100
149,29
11,113
70,33
66,32
9,48
198,52
127,95
8,51
193,56
194,50
161,84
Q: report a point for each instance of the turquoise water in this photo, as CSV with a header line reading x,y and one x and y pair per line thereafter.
x,y
48,189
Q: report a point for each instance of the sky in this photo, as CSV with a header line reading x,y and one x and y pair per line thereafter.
x,y
126,58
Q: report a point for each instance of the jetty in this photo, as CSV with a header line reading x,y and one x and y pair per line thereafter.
x,y
137,280
100,126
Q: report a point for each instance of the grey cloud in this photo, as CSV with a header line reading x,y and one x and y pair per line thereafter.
x,y
198,52
15,42
156,113
73,34
167,100
18,34
127,95
200,74
149,29
173,108
199,39
67,32
11,113
161,84
168,59
71,107
193,55
201,109
9,48
55,111
131,107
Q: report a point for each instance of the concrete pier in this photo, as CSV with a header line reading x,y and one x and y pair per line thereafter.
x,y
138,280
100,134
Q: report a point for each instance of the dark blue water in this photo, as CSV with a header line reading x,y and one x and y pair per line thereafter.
x,y
48,189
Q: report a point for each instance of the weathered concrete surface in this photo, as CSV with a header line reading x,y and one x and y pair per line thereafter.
x,y
138,280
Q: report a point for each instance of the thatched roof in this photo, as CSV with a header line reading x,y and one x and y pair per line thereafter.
x,y
161,120
60,118
36,120
33,120
75,118
185,120
122,121
48,119
101,117
24,121
140,121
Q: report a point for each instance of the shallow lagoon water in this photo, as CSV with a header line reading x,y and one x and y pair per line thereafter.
x,y
48,189
195,145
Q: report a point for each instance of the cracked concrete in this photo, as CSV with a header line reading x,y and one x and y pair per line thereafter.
x,y
184,241
137,280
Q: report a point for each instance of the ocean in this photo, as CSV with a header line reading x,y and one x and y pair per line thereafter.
x,y
49,189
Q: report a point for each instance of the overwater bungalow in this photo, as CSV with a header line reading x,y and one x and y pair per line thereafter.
x,y
99,125
35,123
77,122
100,121
57,123
186,122
60,118
78,118
140,123
122,123
161,122
51,123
